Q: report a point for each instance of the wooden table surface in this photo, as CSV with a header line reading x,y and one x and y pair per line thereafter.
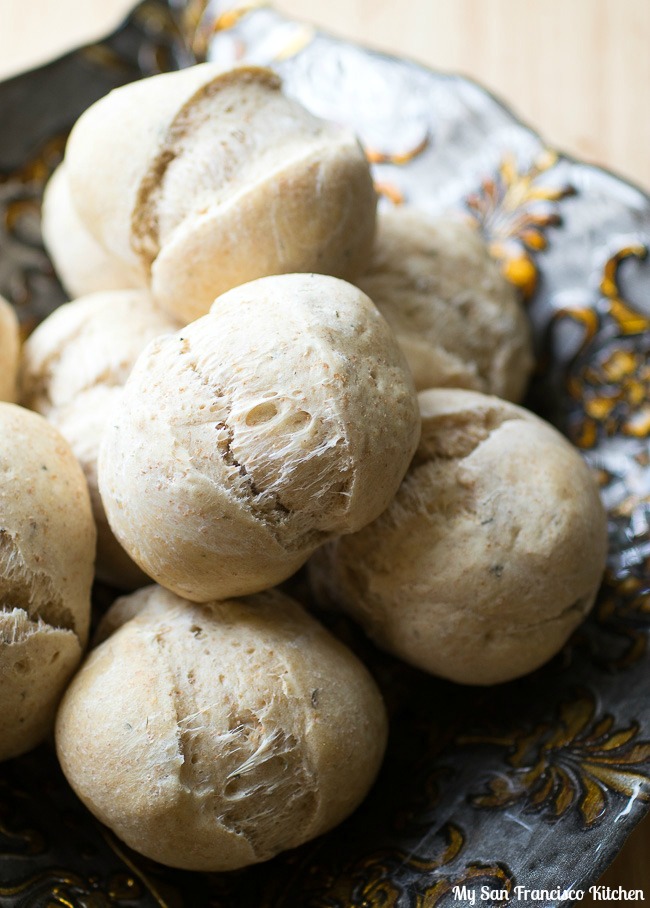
x,y
578,71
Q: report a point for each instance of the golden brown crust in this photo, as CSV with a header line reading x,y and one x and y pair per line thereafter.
x,y
212,737
489,556
47,550
215,179
283,417
145,237
456,318
73,368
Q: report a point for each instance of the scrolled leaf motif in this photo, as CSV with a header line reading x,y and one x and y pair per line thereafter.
x,y
576,766
514,209
610,380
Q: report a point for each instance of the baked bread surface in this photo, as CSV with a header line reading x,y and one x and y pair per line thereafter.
x,y
211,737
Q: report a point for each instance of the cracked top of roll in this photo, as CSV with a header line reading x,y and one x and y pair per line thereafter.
x,y
214,736
47,534
210,179
284,417
47,551
490,554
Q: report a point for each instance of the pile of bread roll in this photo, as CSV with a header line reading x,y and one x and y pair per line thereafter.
x,y
233,394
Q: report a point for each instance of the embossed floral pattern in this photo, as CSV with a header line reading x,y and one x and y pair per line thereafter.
x,y
609,378
577,763
514,210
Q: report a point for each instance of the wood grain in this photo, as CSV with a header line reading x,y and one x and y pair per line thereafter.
x,y
577,70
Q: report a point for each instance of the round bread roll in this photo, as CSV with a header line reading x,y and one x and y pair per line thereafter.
x,y
282,418
73,368
82,423
207,179
87,343
47,549
82,265
9,351
457,319
491,553
211,737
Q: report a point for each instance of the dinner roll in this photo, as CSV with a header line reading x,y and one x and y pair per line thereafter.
x,y
282,418
491,553
73,368
455,316
82,265
82,423
208,179
47,549
9,351
210,737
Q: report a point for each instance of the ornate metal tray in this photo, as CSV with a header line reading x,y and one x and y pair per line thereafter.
x,y
533,784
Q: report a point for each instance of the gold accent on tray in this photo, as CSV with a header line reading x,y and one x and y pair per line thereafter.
x,y
610,380
390,191
574,765
399,158
514,209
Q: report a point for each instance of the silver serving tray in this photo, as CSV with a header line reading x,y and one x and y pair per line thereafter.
x,y
531,784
